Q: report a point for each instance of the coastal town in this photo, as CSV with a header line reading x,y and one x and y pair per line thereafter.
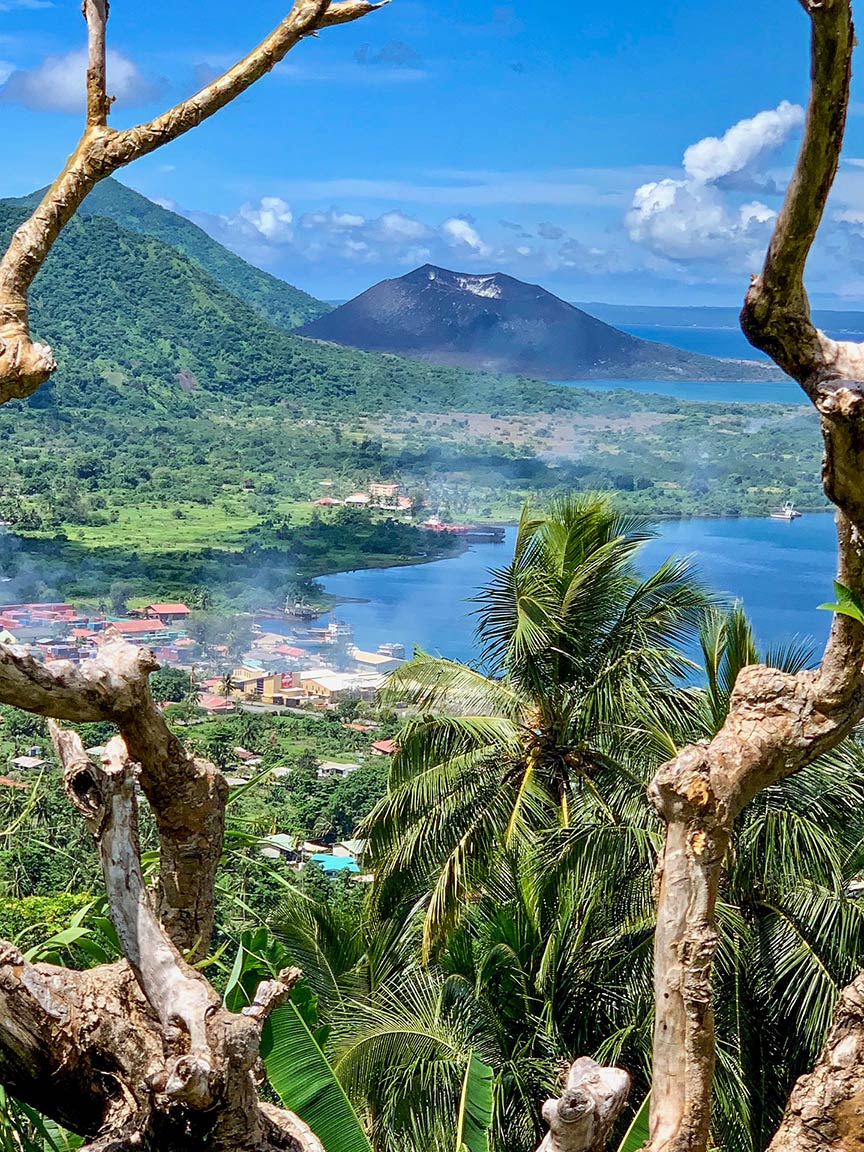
x,y
304,665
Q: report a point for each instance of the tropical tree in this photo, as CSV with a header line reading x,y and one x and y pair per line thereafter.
x,y
581,658
553,955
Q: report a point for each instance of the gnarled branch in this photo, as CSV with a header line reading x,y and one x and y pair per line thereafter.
x,y
777,723
199,1075
583,1115
24,364
187,794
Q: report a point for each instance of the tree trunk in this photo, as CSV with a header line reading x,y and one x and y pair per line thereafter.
x,y
777,723
138,1054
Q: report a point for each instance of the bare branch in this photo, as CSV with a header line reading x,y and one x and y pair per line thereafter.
x,y
180,997
777,723
98,101
582,1117
24,364
305,18
187,794
776,315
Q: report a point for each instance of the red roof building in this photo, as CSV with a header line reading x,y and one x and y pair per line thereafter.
x,y
385,747
169,612
216,704
137,627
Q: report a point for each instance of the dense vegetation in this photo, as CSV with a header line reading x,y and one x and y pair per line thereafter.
x,y
276,301
514,848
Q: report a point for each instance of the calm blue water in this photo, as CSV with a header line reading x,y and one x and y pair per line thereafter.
x,y
728,343
781,392
780,571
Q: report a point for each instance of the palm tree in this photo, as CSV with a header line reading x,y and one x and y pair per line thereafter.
x,y
551,957
581,657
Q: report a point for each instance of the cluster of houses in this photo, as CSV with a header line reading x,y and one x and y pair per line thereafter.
x,y
380,495
348,856
275,672
60,632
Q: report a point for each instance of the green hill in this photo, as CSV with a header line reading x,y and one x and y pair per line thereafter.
x,y
128,315
273,299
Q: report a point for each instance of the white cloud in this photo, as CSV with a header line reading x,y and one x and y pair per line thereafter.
x,y
6,70
696,217
462,232
58,83
743,144
28,5
271,217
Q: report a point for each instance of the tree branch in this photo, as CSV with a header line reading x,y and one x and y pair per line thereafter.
x,y
777,723
98,101
187,794
582,1117
209,1053
24,364
776,314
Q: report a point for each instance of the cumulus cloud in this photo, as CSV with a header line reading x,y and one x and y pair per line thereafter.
x,y
695,217
272,218
462,232
746,142
58,83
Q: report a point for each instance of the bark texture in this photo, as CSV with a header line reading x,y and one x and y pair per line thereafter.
x,y
138,1054
777,722
25,363
583,1115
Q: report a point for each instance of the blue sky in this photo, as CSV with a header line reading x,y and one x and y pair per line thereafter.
x,y
546,141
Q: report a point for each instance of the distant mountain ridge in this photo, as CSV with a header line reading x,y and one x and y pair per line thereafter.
x,y
273,299
495,323
138,327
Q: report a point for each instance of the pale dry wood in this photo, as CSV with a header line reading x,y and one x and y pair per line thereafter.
x,y
187,794
200,1068
581,1118
777,723
101,151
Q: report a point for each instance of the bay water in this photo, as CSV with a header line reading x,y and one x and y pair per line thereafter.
x,y
781,571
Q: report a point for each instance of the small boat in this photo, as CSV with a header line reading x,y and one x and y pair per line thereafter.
x,y
787,512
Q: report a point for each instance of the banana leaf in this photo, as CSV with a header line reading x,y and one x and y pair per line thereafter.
x,y
307,1085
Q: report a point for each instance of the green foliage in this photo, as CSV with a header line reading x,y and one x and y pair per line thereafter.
x,y
305,1083
636,1136
583,656
476,1107
848,603
170,684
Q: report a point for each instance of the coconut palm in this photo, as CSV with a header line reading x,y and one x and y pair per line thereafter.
x,y
581,658
551,957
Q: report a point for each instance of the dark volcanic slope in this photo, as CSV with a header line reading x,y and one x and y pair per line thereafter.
x,y
498,324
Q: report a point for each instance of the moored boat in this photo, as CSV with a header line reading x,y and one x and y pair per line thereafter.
x,y
787,512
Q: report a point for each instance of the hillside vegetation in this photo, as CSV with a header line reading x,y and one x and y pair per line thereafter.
x,y
273,299
180,419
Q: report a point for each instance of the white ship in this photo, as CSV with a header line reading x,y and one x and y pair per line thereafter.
x,y
787,512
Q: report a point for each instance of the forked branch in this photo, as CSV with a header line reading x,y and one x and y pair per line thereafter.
x,y
187,794
24,364
777,723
